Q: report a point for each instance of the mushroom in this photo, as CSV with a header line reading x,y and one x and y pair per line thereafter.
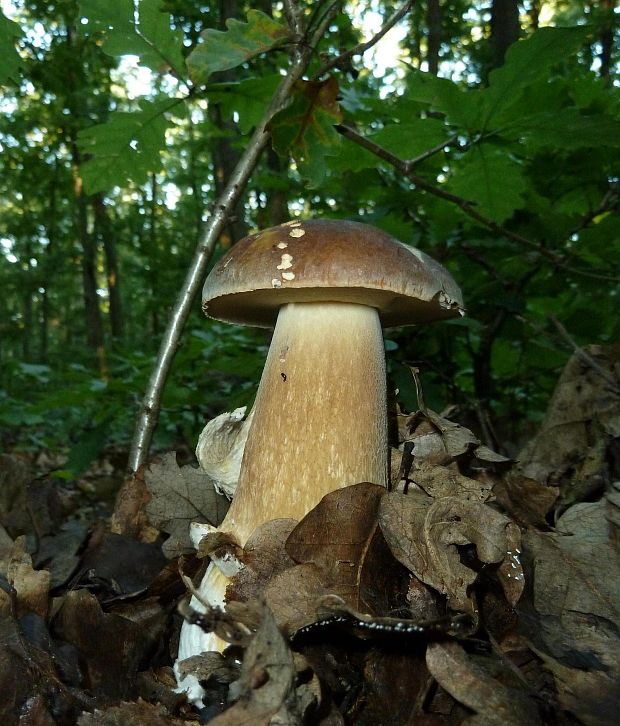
x,y
320,416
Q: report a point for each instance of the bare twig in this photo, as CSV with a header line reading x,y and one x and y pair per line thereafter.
x,y
584,356
149,411
344,58
404,167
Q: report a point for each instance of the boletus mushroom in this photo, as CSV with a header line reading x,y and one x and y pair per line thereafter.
x,y
320,416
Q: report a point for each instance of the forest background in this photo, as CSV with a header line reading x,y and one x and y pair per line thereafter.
x,y
485,133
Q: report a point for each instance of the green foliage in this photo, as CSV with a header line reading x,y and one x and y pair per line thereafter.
x,y
475,179
127,146
10,33
531,146
142,30
222,50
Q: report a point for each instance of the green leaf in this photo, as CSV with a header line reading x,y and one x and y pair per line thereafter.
x,y
408,140
124,148
440,94
305,129
527,61
567,129
225,49
492,180
147,34
248,98
10,61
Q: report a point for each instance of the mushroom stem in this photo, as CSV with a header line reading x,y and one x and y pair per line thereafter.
x,y
320,417
320,423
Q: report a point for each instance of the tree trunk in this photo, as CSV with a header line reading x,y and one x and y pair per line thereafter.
x,y
534,13
93,321
607,39
224,154
275,211
105,232
505,28
153,259
94,324
433,21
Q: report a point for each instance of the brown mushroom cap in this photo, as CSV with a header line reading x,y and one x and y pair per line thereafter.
x,y
328,261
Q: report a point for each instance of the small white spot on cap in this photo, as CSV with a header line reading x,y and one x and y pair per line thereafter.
x,y
282,245
276,283
297,233
288,275
292,223
287,261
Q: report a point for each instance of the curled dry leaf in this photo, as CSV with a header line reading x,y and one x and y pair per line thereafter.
x,y
456,439
439,481
424,534
220,448
466,680
178,496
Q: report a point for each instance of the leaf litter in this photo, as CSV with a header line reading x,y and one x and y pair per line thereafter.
x,y
477,589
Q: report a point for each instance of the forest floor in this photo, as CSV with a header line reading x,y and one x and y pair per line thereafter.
x,y
479,589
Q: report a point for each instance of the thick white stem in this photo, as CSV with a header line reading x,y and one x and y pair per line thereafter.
x,y
320,423
320,417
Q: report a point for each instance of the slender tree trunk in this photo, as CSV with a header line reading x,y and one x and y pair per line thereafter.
x,y
607,39
275,210
433,21
224,154
93,321
48,268
505,28
194,182
27,307
106,234
534,13
152,257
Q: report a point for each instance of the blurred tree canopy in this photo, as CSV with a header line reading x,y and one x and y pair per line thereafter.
x,y
485,133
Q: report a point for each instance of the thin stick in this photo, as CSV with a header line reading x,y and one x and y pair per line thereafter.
x,y
149,411
584,356
344,58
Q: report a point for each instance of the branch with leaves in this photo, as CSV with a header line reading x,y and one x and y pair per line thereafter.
x,y
405,167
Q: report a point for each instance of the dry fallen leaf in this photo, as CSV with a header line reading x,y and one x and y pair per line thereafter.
x,y
337,536
264,556
179,496
575,616
494,702
525,499
112,647
424,533
581,423
265,691
31,586
439,481
137,713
